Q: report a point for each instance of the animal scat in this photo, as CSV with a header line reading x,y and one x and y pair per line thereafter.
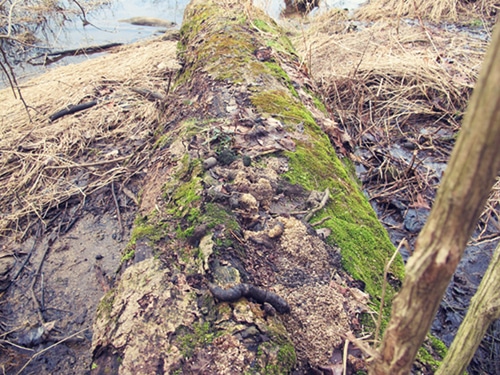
x,y
249,291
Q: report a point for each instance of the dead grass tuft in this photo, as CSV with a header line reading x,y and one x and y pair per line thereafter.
x,y
392,85
44,164
442,10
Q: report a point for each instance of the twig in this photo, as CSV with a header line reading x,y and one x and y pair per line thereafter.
x,y
118,214
33,283
344,361
48,348
15,345
88,164
384,286
319,222
27,257
13,80
367,350
148,94
322,204
70,109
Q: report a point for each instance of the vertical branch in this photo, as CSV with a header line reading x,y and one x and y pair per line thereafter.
x,y
471,172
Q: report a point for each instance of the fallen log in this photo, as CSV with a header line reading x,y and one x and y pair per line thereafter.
x,y
242,164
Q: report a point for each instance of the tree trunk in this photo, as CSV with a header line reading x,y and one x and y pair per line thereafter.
x,y
483,310
223,274
471,172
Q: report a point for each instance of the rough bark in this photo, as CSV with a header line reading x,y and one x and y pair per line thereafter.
x,y
471,172
240,281
483,310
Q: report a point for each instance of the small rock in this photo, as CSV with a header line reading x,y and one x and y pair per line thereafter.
x,y
209,163
247,160
323,232
415,219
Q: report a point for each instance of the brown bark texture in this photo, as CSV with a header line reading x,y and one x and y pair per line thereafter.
x,y
483,310
223,273
470,174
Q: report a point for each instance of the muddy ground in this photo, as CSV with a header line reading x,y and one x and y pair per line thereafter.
x,y
74,271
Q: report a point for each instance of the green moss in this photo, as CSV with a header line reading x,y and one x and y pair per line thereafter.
x,y
365,245
183,191
262,25
276,356
275,37
425,357
287,356
281,104
215,214
106,305
280,74
149,231
225,44
280,358
438,346
163,141
319,104
128,255
190,339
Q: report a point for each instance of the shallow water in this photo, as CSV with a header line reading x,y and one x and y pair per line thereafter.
x,y
106,27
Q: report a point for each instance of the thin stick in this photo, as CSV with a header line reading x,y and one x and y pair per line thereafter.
x,y
344,361
15,345
48,348
35,300
118,214
384,286
320,206
88,164
27,258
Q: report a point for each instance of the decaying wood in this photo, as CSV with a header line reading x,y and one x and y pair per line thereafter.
x,y
471,172
215,209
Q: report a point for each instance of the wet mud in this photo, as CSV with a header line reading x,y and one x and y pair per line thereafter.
x,y
47,312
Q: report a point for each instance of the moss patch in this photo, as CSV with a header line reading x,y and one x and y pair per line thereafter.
x,y
365,245
198,336
282,105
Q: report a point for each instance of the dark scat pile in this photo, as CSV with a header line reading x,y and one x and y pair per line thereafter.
x,y
250,291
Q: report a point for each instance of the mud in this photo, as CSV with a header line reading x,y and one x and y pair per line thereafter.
x,y
75,271
404,221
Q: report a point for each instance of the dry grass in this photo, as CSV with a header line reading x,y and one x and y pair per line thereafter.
x,y
441,10
388,82
43,164
389,74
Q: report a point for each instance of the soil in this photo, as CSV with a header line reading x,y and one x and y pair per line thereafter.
x,y
75,269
